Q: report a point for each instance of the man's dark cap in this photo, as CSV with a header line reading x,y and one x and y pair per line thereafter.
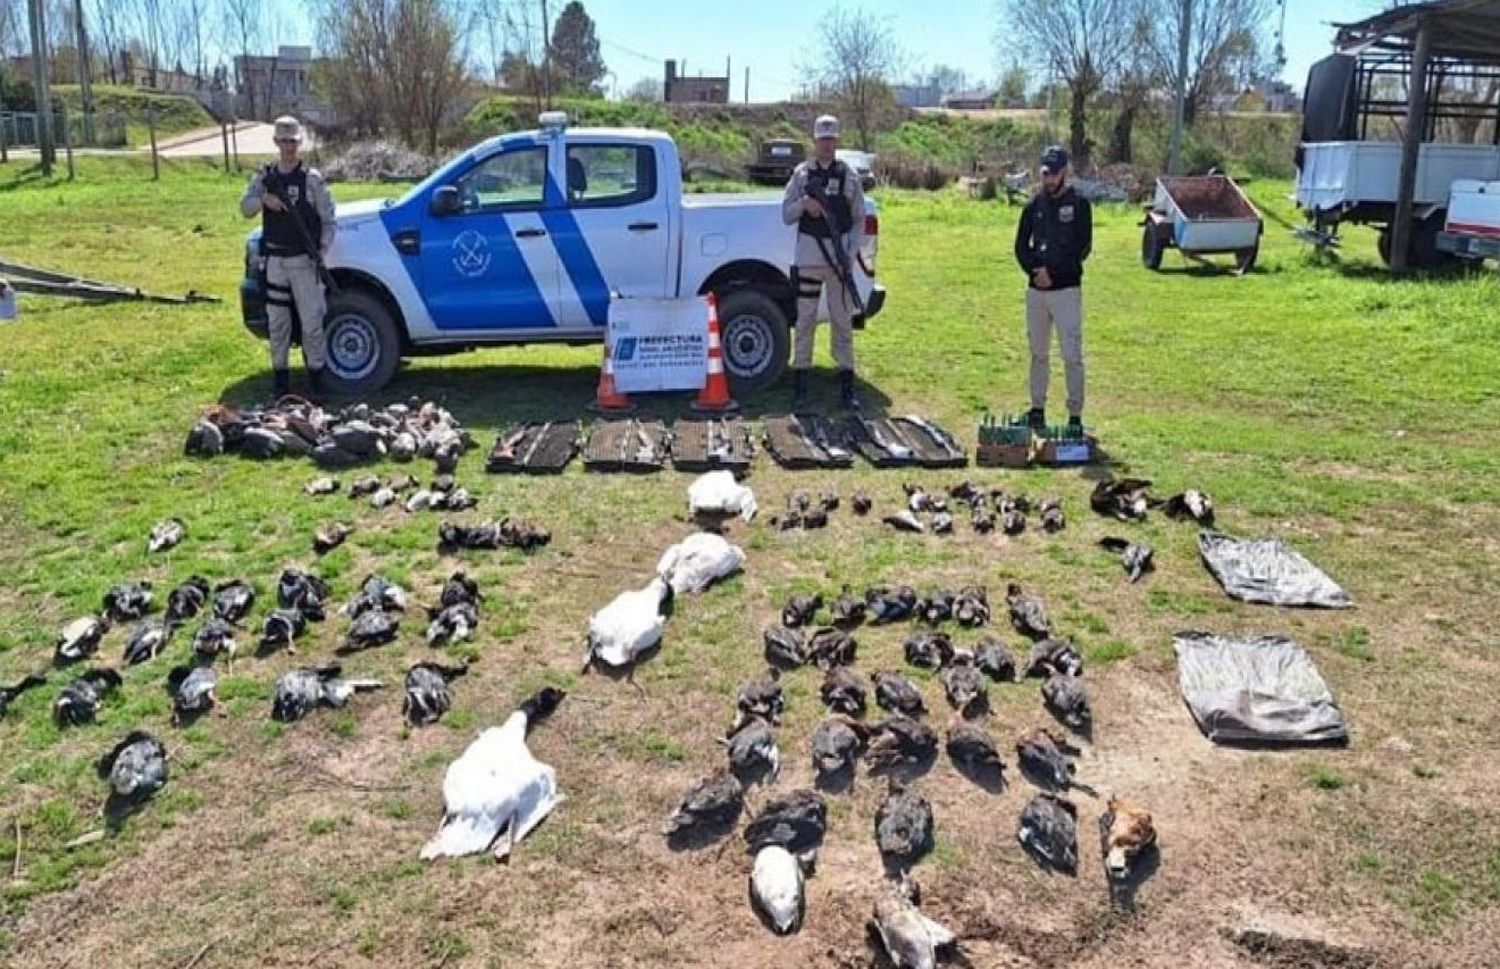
x,y
1054,159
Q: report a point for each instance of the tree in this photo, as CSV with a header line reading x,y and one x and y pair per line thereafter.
x,y
1013,85
1132,88
646,90
576,62
947,80
107,24
855,58
1080,41
1223,49
242,25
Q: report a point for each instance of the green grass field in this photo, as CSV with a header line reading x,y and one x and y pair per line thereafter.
x,y
1315,399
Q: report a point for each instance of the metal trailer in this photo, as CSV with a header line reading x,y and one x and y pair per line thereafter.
x,y
1201,215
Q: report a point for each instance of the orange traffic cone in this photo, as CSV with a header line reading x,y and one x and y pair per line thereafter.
x,y
715,393
608,400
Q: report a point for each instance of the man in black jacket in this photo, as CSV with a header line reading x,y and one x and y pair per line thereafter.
x,y
1054,237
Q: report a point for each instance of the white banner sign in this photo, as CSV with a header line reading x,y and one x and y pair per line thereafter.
x,y
659,344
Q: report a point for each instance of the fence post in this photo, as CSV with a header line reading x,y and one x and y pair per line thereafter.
x,y
67,137
234,139
4,152
224,133
151,126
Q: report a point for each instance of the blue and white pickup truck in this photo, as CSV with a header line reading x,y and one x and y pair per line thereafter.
x,y
523,238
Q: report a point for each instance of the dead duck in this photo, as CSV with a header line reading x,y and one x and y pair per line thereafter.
x,y
752,751
777,887
193,690
166,535
1125,499
427,697
966,491
970,748
981,519
1052,516
458,589
861,503
911,939
1054,655
905,521
376,593
928,649
935,607
965,686
367,485
1190,505
830,647
28,682
1135,557
1044,759
903,826
403,482
370,629
204,440
815,517
420,500
1125,831
443,484
942,523
280,630
1068,700
1012,521
147,640
127,601
994,660
188,599
1049,831
383,497
233,600
300,691
324,485
918,500
800,610
796,821
300,590
836,743
329,537
843,691
135,768
714,801
899,741
79,700
759,699
848,610
897,694
784,647
1027,613
887,604
971,607
80,639
452,624
215,636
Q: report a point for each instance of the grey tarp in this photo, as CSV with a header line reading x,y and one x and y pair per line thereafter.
x,y
1270,571
1255,690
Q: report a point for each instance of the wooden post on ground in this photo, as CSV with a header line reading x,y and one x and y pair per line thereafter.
x,y
1411,144
151,126
37,11
224,131
4,151
67,137
234,140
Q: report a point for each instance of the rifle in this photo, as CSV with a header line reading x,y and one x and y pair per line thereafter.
x,y
839,260
271,181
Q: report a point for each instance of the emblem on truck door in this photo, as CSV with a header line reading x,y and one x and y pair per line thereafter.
x,y
471,254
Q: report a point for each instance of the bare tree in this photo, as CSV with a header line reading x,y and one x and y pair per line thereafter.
x,y
854,60
242,19
1082,43
646,90
108,25
1223,49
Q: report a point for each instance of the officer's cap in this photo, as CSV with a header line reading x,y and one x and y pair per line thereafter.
x,y
1054,159
826,126
286,127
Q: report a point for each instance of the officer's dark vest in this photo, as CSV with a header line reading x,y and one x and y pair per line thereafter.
x,y
831,181
279,233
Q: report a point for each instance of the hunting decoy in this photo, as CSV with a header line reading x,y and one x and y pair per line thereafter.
x,y
304,592
971,607
147,640
452,624
970,747
323,485
1052,516
1123,498
280,630
330,536
965,686
759,699
935,607
1044,759
830,647
370,629
215,636
994,660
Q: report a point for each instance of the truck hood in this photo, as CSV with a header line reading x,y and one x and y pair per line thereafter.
x,y
348,214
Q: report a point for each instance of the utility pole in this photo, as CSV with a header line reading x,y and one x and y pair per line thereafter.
x,y
85,69
546,57
1179,110
38,16
747,83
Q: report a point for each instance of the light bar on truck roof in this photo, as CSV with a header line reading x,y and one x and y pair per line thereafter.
x,y
553,119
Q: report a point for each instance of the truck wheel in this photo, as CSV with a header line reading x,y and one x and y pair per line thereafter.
x,y
1421,251
1244,259
364,344
757,339
1151,247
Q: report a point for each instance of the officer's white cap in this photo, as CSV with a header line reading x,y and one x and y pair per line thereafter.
x,y
826,126
287,126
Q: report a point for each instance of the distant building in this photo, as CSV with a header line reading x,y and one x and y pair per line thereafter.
x,y
701,89
279,83
917,95
969,101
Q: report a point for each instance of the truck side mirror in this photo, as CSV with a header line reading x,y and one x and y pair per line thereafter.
x,y
445,201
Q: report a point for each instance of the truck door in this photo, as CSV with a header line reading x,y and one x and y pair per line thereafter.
x,y
490,265
613,235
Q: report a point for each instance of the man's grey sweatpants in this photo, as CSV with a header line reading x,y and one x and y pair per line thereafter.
x,y
1063,309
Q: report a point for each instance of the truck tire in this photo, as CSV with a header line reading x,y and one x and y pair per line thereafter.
x,y
757,339
1422,251
364,343
1151,247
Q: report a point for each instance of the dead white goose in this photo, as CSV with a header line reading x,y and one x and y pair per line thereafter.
x,y
778,887
630,625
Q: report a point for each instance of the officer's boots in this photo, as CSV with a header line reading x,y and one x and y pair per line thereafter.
x,y
281,384
799,389
847,395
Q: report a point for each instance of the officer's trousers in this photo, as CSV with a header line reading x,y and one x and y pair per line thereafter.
x,y
289,279
1062,309
811,282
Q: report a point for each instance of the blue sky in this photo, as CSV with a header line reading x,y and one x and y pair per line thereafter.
x,y
775,37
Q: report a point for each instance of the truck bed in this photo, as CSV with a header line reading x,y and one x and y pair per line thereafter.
x,y
1338,175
